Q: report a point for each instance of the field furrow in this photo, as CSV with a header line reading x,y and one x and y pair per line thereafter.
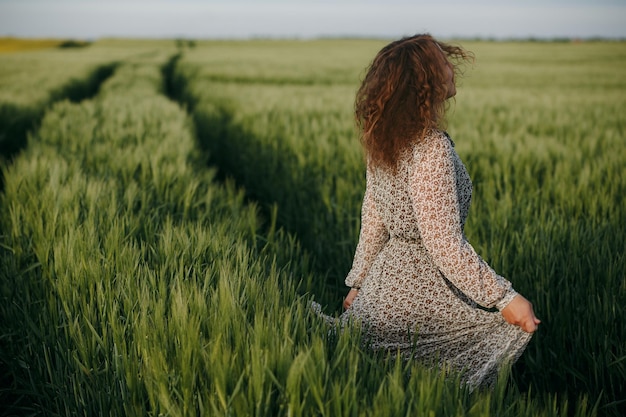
x,y
30,82
18,119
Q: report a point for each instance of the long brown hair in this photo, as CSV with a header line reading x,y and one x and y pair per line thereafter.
x,y
403,95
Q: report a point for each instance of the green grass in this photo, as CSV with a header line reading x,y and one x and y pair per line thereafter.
x,y
128,264
32,81
136,279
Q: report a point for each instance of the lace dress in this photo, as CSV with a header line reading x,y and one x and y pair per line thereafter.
x,y
421,283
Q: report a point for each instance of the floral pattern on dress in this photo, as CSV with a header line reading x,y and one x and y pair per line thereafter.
x,y
424,291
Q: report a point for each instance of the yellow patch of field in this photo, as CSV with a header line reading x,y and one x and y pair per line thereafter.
x,y
8,45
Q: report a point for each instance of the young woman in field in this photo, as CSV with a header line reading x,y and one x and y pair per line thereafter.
x,y
417,285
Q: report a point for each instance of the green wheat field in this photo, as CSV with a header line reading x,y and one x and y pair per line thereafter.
x,y
169,210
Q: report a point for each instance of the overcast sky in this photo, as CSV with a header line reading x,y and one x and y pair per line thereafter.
x,y
91,19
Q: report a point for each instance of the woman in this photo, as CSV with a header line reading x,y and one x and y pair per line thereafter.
x,y
417,285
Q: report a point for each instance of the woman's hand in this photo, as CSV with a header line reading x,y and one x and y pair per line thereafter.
x,y
520,313
347,302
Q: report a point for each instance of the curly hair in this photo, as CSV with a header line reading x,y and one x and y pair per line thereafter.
x,y
403,95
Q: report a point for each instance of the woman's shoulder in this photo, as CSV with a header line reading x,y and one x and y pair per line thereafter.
x,y
434,139
435,148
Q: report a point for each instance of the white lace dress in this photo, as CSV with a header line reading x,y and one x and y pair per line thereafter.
x,y
421,283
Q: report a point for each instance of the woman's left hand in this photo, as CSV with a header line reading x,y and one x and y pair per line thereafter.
x,y
520,313
347,302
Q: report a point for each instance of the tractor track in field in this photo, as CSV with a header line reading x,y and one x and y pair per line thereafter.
x,y
17,122
222,140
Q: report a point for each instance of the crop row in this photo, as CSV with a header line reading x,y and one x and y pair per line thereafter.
x,y
31,81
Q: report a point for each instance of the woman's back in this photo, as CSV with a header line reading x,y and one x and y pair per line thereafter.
x,y
392,190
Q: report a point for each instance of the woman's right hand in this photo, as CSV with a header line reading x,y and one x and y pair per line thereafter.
x,y
520,313
347,302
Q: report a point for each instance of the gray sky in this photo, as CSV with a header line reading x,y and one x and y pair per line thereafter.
x,y
90,19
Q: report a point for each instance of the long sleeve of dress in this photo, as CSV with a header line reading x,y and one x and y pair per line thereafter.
x,y
433,185
372,238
